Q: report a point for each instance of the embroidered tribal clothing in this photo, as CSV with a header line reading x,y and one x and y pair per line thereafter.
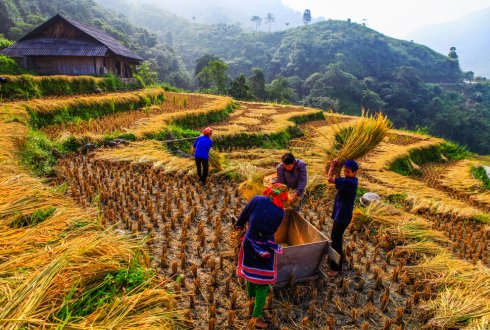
x,y
257,262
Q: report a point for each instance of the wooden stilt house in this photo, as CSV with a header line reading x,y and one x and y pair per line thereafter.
x,y
65,46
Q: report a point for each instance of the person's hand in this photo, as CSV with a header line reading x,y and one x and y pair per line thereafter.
x,y
334,162
293,198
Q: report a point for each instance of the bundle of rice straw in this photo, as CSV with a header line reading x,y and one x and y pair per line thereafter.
x,y
356,141
254,180
217,160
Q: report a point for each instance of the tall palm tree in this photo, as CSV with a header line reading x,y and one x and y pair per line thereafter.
x,y
269,20
256,20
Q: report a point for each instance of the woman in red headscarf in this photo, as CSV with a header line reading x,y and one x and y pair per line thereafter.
x,y
257,262
201,146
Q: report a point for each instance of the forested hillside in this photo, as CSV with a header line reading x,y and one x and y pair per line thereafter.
x,y
298,51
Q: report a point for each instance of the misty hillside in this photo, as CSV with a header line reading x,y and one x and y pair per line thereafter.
x,y
470,36
229,12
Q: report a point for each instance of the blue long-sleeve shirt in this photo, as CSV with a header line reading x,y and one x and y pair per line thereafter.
x,y
202,145
295,179
344,201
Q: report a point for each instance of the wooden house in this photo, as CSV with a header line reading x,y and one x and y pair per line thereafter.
x,y
65,46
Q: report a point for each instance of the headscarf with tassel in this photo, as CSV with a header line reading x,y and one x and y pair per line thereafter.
x,y
278,194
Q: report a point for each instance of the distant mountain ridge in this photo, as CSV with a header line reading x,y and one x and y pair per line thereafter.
x,y
470,35
233,11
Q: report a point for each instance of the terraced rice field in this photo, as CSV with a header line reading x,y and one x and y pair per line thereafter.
x,y
418,259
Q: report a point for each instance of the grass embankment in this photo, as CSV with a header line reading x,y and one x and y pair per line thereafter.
x,y
29,86
58,265
410,164
48,112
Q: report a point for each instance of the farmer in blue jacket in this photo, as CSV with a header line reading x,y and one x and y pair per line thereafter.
x,y
201,146
343,207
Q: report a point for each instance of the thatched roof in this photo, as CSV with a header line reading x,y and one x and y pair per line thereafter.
x,y
95,43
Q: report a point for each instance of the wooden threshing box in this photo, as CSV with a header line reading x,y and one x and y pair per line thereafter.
x,y
304,251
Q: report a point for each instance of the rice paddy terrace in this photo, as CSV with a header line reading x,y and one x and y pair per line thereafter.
x,y
131,221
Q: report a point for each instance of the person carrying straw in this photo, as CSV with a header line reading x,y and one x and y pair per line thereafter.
x,y
343,207
256,260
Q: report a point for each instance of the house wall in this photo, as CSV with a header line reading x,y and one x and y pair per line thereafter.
x,y
73,65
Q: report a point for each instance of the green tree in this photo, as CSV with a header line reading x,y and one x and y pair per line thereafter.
x,y
240,88
203,61
4,42
257,84
307,16
269,19
372,101
214,77
257,20
147,71
279,90
452,53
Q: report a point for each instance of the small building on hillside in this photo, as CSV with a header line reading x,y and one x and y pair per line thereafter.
x,y
65,46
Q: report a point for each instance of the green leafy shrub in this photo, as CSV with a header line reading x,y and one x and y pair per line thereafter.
x,y
37,153
19,87
480,174
34,218
9,66
85,301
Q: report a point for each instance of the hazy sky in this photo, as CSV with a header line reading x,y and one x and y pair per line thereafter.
x,y
396,18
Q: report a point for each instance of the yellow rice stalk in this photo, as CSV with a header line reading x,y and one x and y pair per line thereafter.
x,y
466,297
377,213
482,323
420,249
27,296
442,268
416,230
265,118
148,309
314,181
454,307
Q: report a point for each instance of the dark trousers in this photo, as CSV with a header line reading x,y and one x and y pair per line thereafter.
x,y
202,165
337,236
